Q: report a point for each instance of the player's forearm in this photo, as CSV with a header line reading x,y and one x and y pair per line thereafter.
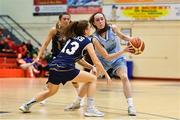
x,y
100,67
42,49
114,55
123,36
85,64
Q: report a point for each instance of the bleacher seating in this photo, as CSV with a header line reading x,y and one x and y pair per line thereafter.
x,y
9,67
8,55
12,72
14,37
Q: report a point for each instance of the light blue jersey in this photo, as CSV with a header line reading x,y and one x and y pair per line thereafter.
x,y
112,45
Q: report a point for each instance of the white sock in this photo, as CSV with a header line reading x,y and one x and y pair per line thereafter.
x,y
31,102
78,98
90,102
130,102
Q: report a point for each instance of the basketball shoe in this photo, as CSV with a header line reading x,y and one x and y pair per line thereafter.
x,y
25,108
93,112
73,106
131,111
43,102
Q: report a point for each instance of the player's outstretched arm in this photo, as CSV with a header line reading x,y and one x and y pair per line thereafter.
x,y
46,42
105,54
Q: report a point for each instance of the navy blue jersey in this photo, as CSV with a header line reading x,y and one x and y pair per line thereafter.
x,y
71,52
57,44
62,68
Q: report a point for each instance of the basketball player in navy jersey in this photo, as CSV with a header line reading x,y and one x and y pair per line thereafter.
x,y
62,68
55,35
58,40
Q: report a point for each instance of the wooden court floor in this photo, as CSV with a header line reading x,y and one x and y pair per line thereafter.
x,y
154,100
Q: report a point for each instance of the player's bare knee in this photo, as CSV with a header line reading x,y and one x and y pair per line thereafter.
x,y
51,92
94,78
124,77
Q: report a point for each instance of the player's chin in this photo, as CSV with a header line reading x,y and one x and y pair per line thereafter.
x,y
101,26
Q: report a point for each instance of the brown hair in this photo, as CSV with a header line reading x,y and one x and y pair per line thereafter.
x,y
100,31
76,28
60,16
63,13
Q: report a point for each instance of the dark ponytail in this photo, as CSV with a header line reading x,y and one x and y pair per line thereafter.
x,y
76,28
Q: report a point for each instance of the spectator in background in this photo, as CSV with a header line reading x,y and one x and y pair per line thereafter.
x,y
21,61
6,45
29,46
22,49
1,45
1,34
31,69
10,42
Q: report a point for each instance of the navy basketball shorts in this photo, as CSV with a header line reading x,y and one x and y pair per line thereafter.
x,y
58,77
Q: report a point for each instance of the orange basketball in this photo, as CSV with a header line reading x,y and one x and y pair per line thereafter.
x,y
137,44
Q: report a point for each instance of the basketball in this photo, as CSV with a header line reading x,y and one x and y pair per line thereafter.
x,y
137,44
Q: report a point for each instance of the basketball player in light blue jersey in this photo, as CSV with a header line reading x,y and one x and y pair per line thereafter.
x,y
62,68
107,41
107,45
